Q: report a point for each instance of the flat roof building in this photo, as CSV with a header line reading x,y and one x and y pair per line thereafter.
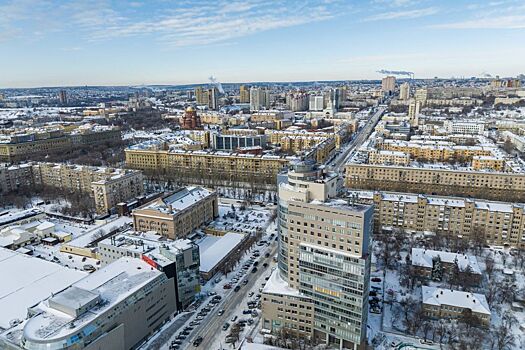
x,y
114,308
26,281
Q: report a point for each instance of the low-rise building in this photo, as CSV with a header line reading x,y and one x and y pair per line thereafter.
x,y
425,261
453,304
178,214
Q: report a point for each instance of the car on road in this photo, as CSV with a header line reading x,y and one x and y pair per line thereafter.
x,y
197,341
267,255
265,265
245,282
233,319
225,326
221,312
256,263
254,270
237,288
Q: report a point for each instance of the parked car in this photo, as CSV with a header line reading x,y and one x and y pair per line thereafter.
x,y
225,326
233,319
197,341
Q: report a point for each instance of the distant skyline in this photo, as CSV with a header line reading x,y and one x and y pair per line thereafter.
x,y
103,42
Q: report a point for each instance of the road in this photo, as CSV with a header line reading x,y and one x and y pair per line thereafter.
x,y
210,330
358,140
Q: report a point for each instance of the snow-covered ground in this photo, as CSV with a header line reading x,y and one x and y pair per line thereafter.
x,y
387,328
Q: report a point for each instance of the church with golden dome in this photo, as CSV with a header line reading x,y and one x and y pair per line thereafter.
x,y
191,120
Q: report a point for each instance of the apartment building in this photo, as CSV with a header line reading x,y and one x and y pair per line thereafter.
x,y
231,165
500,223
320,289
116,307
179,259
15,177
388,84
435,150
488,162
441,303
178,214
244,94
120,187
108,186
18,147
464,127
388,157
437,180
259,98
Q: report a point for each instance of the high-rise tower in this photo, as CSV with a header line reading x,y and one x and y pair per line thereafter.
x,y
320,289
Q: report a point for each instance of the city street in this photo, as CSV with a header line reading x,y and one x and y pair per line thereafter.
x,y
358,140
235,302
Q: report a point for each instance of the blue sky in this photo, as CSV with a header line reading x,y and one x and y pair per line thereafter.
x,y
80,42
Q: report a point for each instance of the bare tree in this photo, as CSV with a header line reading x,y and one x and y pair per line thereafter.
x,y
489,267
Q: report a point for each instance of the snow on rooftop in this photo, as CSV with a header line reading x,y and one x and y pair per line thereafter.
x,y
439,296
422,257
218,250
15,215
114,283
276,285
179,201
26,281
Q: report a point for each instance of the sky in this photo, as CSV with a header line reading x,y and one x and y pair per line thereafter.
x,y
104,42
